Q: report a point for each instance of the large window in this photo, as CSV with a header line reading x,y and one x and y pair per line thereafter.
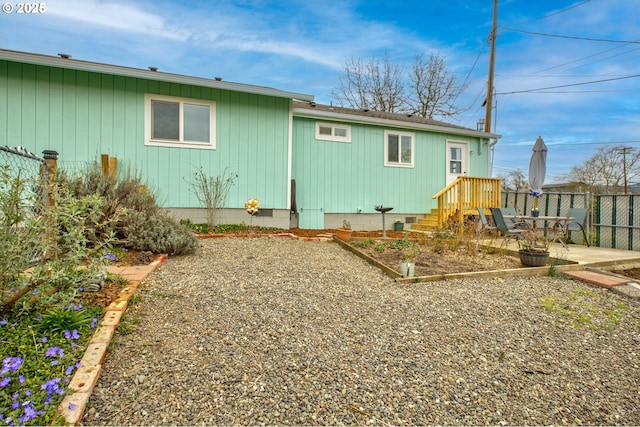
x,y
333,132
398,149
179,122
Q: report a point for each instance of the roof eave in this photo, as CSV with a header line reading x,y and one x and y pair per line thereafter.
x,y
332,115
79,65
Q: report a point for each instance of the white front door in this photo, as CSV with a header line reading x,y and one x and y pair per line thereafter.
x,y
457,160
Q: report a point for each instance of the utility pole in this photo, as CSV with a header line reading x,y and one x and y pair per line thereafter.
x,y
489,105
625,151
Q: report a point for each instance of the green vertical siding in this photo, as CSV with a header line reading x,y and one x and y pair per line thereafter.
x,y
344,177
83,114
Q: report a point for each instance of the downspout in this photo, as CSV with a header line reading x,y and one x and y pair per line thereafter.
x,y
289,155
491,146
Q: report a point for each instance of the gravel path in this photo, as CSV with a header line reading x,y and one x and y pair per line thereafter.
x,y
279,331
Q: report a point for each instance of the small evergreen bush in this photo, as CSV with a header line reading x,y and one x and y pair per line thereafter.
x,y
141,223
159,233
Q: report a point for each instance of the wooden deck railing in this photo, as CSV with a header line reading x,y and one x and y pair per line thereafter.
x,y
464,196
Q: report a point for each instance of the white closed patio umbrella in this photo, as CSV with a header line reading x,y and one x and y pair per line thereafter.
x,y
537,170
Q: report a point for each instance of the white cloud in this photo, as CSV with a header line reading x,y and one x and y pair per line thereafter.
x,y
116,16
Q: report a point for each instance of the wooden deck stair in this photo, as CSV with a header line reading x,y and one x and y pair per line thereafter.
x,y
428,223
430,220
459,199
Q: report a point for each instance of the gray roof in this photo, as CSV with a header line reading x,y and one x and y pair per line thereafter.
x,y
74,64
330,112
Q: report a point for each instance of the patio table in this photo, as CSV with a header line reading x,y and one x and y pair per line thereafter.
x,y
557,225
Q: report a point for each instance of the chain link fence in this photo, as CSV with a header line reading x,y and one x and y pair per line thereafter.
x,y
613,219
552,204
20,164
616,221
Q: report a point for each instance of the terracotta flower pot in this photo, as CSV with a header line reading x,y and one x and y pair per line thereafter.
x,y
344,234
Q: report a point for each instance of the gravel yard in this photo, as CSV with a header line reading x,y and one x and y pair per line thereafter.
x,y
278,331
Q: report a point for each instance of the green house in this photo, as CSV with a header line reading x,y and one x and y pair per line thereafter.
x,y
346,162
309,165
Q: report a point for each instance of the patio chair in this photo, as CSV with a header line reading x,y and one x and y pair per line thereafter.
x,y
507,232
579,222
509,221
484,224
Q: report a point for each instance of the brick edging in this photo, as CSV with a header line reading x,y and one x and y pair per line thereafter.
x,y
86,376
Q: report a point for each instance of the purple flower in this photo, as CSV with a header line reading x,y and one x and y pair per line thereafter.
x,y
27,392
77,307
15,404
69,370
3,322
11,364
29,412
52,386
21,379
67,334
93,322
72,406
54,352
75,335
5,381
43,340
54,362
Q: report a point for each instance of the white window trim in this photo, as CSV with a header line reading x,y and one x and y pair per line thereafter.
x,y
211,145
333,127
386,149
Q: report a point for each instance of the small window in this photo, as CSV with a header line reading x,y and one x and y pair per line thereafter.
x,y
179,122
455,160
333,132
398,149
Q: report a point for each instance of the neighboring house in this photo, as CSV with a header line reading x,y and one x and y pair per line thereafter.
x,y
307,164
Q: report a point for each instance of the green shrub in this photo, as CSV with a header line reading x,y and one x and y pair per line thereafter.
x,y
159,234
63,235
141,223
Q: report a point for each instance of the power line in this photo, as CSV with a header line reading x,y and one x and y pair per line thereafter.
x,y
591,56
554,13
587,91
571,37
594,143
568,85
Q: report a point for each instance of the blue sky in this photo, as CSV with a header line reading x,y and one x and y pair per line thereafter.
x,y
301,46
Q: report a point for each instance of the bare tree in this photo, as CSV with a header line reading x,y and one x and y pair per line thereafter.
x,y
373,85
433,90
514,181
427,90
608,170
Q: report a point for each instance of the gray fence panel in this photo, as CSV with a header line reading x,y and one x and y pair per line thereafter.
x,y
614,219
617,221
553,204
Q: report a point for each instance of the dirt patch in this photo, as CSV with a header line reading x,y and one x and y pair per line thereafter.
x,y
110,289
633,273
300,232
432,260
